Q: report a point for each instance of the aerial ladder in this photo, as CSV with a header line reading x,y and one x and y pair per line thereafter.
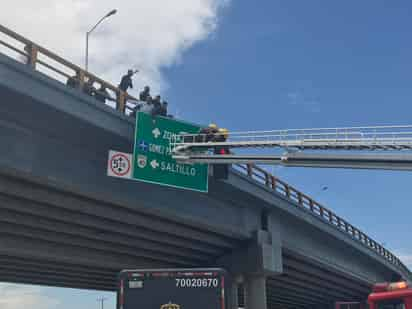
x,y
378,147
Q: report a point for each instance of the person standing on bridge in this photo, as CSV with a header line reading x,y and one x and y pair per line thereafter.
x,y
126,81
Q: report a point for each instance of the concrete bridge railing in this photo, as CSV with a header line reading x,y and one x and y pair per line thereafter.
x,y
56,67
306,202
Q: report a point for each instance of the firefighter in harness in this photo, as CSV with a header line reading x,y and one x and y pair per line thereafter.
x,y
207,134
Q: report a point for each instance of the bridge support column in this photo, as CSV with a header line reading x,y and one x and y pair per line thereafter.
x,y
255,292
251,265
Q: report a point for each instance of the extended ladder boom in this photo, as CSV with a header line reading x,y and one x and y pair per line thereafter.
x,y
353,161
359,138
196,148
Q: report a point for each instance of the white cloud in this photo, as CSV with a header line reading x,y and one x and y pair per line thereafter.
x,y
148,35
14,296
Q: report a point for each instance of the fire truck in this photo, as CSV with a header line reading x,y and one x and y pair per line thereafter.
x,y
396,295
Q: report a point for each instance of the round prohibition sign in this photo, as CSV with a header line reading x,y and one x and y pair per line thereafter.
x,y
120,164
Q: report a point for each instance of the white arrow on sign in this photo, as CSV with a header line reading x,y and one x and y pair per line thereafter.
x,y
154,164
156,132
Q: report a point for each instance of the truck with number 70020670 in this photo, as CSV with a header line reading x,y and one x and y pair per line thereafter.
x,y
172,289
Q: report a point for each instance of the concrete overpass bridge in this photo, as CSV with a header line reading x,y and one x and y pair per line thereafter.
x,y
63,222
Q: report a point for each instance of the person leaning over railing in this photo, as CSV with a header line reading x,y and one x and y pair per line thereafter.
x,y
143,96
73,81
102,95
88,87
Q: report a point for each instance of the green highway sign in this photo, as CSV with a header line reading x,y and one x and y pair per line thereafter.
x,y
152,159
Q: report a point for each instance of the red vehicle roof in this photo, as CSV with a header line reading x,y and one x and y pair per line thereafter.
x,y
390,295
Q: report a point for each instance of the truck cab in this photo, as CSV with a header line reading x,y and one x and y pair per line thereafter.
x,y
396,295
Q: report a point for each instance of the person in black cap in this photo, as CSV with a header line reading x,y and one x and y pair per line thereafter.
x,y
126,81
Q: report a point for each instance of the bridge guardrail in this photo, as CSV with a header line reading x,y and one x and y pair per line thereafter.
x,y
306,202
38,55
49,63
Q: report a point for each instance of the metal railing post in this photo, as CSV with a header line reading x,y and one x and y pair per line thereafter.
x,y
249,170
311,206
81,75
274,183
267,180
321,211
300,199
32,55
287,191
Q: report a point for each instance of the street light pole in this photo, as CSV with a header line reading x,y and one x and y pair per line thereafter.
x,y
87,51
112,12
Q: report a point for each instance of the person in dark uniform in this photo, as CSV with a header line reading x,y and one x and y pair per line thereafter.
x,y
144,94
221,171
157,105
222,135
126,81
101,94
88,87
213,130
73,81
207,134
163,109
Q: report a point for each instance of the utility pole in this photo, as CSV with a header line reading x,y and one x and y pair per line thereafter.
x,y
102,300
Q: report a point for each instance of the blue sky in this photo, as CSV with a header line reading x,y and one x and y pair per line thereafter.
x,y
305,64
301,64
347,62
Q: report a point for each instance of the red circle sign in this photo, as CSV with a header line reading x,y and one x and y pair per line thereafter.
x,y
120,164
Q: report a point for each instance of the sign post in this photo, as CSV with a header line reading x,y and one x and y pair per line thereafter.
x,y
152,157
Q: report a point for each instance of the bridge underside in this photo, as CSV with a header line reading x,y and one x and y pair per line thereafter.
x,y
50,237
302,285
44,242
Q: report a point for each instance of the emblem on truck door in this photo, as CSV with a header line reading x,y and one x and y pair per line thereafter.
x,y
170,306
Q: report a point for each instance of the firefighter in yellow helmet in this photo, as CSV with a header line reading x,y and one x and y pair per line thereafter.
x,y
222,135
207,134
225,133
